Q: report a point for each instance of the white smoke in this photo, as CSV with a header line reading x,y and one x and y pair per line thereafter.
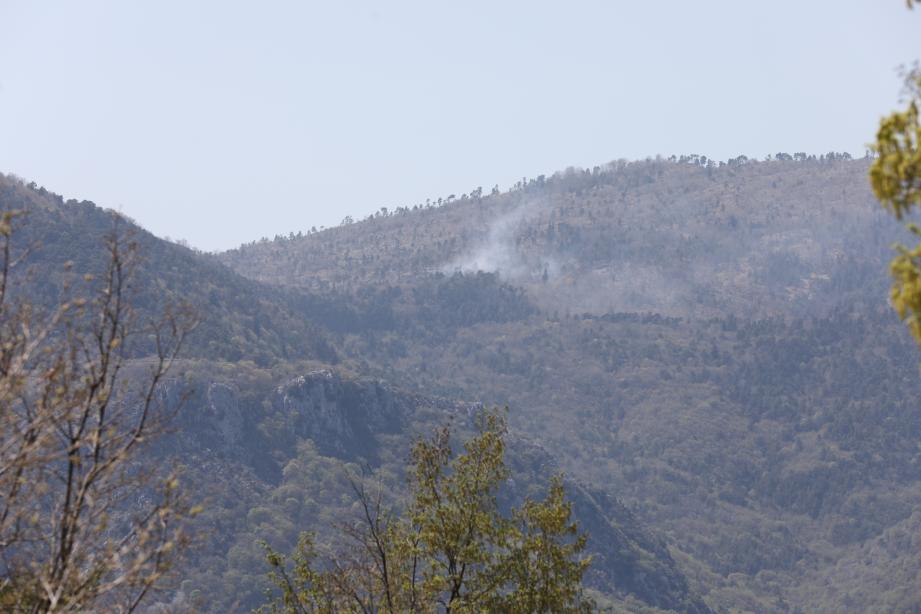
x,y
498,252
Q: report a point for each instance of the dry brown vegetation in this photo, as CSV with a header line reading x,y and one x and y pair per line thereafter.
x,y
71,429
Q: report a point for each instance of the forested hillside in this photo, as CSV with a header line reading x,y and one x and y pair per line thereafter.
x,y
709,342
272,422
704,348
689,238
64,242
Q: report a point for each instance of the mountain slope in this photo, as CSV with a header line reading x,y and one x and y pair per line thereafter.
x,y
264,444
675,238
710,344
239,318
307,433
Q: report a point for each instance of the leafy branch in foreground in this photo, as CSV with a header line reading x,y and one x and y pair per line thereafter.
x,y
83,525
895,176
452,550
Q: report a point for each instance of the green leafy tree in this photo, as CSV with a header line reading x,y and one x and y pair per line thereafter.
x,y
545,565
455,515
895,176
452,551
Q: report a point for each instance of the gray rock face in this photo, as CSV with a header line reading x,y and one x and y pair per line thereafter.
x,y
224,406
212,419
346,418
340,416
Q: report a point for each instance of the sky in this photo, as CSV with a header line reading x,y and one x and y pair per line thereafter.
x,y
222,122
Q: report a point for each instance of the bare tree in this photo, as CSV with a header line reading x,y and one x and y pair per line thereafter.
x,y
84,524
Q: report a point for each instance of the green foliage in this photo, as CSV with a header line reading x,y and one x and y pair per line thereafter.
x,y
452,551
896,173
545,565
302,588
896,179
455,513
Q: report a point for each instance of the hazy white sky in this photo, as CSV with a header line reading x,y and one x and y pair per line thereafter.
x,y
221,122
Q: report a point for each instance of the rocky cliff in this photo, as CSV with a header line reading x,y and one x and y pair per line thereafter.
x,y
261,452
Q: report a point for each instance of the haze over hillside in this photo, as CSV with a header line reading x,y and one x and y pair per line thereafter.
x,y
408,308
704,348
709,342
684,238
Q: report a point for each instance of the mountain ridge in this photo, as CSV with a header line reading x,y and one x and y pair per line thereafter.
x,y
246,421
708,348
